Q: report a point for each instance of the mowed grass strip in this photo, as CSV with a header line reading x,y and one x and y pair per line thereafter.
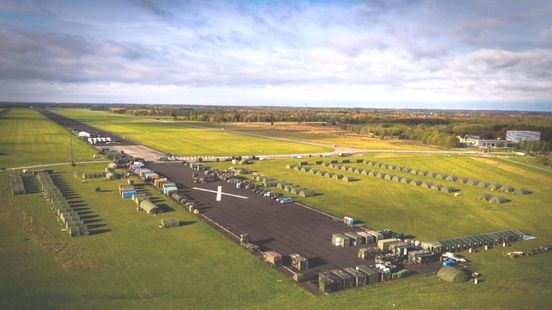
x,y
29,138
177,139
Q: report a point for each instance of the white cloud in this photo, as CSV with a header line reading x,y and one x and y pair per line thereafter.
x,y
284,53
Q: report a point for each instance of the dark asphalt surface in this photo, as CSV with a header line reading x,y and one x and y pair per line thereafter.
x,y
76,125
284,228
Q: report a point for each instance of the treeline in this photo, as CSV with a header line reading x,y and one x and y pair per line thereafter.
x,y
430,127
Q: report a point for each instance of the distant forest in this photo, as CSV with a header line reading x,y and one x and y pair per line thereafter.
x,y
430,127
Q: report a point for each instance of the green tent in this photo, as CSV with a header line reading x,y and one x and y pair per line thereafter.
x,y
453,274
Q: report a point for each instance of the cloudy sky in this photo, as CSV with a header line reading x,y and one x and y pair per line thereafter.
x,y
416,54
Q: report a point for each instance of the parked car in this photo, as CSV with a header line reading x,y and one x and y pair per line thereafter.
x,y
286,200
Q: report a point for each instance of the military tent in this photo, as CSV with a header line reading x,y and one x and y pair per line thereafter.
x,y
452,178
485,197
149,207
453,274
169,222
306,193
521,191
498,200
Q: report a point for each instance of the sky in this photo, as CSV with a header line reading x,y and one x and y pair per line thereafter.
x,y
378,54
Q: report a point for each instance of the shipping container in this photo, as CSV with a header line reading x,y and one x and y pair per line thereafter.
x,y
360,278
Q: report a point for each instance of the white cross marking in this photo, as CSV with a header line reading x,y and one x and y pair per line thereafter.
x,y
219,192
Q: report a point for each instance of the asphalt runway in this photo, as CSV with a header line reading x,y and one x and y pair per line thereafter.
x,y
76,125
284,228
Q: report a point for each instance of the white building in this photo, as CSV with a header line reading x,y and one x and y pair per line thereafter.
x,y
522,135
83,134
476,141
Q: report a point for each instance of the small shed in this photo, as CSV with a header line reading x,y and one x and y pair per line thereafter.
x,y
328,282
453,274
347,280
300,263
341,240
385,243
372,276
360,278
273,258
149,207
367,253
356,239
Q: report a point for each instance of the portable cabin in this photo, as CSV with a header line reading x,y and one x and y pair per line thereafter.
x,y
143,172
347,280
273,258
401,248
367,253
384,244
433,246
366,237
360,278
356,239
341,240
372,276
348,220
421,257
158,181
168,190
376,235
299,262
127,194
328,282
126,191
150,176
384,271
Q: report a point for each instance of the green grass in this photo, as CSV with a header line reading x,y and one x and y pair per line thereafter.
x,y
176,139
29,138
138,265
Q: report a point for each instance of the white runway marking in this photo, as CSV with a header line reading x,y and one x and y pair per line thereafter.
x,y
221,192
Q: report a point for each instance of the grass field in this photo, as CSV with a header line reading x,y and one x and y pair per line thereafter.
x,y
322,134
172,138
29,138
135,264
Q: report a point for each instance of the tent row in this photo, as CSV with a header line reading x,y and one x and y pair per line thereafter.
x,y
493,199
16,181
288,187
464,243
321,173
70,218
435,175
395,178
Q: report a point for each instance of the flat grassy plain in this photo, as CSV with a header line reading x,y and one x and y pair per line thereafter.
x,y
28,138
325,134
171,138
135,264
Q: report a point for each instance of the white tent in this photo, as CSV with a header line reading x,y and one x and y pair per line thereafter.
x,y
84,134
